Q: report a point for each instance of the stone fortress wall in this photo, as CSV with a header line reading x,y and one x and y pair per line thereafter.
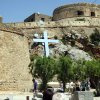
x,y
75,22
14,60
76,10
56,28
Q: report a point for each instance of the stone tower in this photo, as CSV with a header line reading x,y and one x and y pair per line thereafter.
x,y
76,10
14,60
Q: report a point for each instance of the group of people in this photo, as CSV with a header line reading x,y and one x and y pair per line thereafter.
x,y
82,86
78,86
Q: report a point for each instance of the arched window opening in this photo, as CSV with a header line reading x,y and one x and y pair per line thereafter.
x,y
80,13
92,13
32,19
43,19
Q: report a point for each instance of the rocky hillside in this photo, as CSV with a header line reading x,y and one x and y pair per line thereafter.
x,y
72,31
74,44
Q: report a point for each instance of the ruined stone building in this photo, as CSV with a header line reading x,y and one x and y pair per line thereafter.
x,y
37,17
81,18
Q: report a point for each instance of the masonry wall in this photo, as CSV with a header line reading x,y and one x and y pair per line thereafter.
x,y
74,22
76,10
37,17
44,18
58,28
14,61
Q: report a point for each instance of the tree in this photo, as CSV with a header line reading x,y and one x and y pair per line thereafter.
x,y
45,69
64,70
32,64
92,70
78,69
95,37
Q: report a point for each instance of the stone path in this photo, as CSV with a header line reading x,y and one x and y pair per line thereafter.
x,y
96,98
23,96
15,97
20,96
61,96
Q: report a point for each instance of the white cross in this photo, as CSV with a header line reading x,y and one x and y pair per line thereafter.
x,y
46,41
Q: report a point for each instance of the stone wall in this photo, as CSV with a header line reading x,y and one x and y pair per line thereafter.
x,y
37,17
76,10
14,61
74,22
58,28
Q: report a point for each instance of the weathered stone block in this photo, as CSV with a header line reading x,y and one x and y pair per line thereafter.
x,y
82,95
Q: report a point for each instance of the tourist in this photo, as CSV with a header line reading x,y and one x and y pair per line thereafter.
x,y
47,94
88,85
77,85
83,84
71,86
35,87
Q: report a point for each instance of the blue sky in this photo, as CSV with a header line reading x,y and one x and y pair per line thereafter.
x,y
18,10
